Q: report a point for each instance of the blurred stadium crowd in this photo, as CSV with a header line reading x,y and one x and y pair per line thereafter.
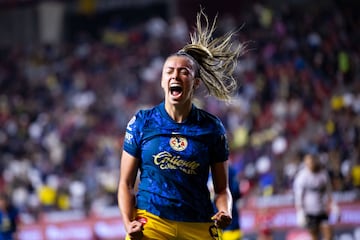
x,y
64,108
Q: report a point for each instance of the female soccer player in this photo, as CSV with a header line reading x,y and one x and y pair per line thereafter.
x,y
174,144
313,200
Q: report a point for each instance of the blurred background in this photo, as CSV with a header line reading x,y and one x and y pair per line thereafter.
x,y
72,73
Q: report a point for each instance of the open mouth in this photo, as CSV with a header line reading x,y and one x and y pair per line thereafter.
x,y
175,90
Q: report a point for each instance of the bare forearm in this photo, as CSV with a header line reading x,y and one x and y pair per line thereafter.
x,y
223,201
126,202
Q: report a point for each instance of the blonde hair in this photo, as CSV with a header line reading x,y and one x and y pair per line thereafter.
x,y
216,58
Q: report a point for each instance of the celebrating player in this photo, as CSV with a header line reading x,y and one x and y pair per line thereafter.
x,y
174,144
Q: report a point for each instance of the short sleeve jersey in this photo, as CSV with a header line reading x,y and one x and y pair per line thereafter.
x,y
311,191
175,160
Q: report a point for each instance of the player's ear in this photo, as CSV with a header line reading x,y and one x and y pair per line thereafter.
x,y
196,83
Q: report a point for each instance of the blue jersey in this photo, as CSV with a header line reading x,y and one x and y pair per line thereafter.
x,y
175,160
235,193
8,223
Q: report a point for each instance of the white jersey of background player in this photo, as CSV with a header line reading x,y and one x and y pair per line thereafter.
x,y
313,201
312,188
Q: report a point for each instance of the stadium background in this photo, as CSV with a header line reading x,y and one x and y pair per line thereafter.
x,y
72,73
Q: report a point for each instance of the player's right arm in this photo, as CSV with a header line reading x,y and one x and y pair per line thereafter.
x,y
126,195
298,191
299,199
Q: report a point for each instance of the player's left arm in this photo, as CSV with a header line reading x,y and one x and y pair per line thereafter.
x,y
223,199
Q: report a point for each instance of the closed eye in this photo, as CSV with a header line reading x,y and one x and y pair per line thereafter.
x,y
182,71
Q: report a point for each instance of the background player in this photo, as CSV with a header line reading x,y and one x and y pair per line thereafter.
x,y
313,199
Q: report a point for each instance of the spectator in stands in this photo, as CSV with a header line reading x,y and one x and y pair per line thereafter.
x,y
175,143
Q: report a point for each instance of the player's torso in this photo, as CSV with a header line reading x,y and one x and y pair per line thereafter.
x,y
175,160
315,183
180,148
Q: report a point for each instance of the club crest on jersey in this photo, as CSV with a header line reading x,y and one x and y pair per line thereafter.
x,y
178,143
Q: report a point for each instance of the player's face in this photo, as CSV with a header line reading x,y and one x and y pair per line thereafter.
x,y
310,162
178,80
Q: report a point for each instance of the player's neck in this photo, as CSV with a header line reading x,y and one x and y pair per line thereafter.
x,y
178,113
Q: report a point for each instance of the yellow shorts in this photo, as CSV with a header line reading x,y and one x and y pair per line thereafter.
x,y
163,229
231,235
